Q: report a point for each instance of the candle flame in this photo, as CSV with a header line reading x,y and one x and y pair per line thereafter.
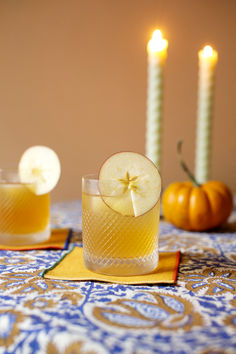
x,y
157,35
157,43
207,51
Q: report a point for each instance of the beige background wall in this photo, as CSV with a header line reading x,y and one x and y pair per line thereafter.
x,y
73,77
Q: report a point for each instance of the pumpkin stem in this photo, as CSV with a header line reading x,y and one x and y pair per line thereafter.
x,y
184,166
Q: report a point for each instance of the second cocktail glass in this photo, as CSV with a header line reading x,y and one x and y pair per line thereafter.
x,y
25,199
24,216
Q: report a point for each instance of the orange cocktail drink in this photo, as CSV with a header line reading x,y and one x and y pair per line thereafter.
x,y
24,197
24,216
120,228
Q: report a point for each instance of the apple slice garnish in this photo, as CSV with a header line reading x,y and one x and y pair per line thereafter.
x,y
129,183
40,168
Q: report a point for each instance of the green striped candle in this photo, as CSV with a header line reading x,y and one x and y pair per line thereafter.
x,y
207,64
157,52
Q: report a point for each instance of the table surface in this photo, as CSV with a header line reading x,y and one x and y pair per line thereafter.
x,y
197,314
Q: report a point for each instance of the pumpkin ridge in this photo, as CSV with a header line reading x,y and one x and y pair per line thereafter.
x,y
224,193
199,209
224,210
189,214
210,208
175,203
183,219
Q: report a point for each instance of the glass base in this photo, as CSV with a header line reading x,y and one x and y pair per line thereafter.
x,y
121,266
25,239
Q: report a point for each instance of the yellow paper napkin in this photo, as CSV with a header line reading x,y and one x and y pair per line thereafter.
x,y
71,267
59,239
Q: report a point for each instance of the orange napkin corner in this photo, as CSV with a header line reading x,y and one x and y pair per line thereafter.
x,y
59,239
71,267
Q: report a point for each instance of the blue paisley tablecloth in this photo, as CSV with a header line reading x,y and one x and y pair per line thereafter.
x,y
197,315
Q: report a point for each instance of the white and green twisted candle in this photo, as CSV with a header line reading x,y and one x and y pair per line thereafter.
x,y
157,51
207,64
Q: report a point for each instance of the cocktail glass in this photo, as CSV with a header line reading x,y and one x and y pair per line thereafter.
x,y
116,244
24,216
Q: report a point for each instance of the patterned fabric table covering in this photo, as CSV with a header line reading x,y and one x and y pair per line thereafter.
x,y
196,315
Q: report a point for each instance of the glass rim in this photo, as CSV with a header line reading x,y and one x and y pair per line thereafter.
x,y
10,175
91,177
91,185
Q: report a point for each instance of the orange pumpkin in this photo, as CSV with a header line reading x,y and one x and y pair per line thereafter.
x,y
197,208
191,206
